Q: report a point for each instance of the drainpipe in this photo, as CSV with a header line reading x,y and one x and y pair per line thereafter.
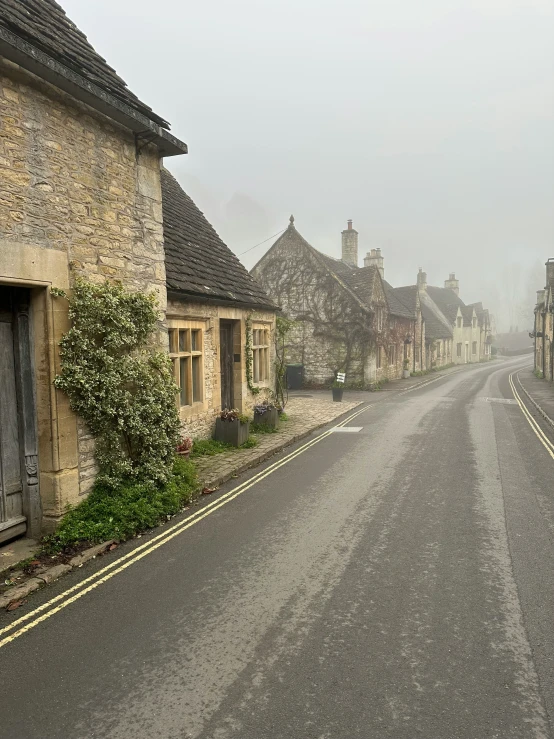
x,y
544,345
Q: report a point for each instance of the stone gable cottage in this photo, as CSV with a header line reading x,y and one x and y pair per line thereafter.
x,y
347,318
81,187
80,194
212,302
543,332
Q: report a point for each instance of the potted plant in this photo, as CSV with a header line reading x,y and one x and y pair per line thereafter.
x,y
232,427
184,447
406,371
267,414
338,389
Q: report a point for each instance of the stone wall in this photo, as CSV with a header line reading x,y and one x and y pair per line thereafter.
x,y
72,185
198,420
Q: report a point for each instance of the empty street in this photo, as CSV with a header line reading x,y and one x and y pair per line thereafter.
x,y
394,580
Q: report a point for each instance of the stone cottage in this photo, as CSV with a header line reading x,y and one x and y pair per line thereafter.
x,y
469,338
346,317
80,194
543,332
213,303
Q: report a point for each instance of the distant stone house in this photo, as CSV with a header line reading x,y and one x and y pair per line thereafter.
x,y
470,324
543,332
346,317
448,331
212,302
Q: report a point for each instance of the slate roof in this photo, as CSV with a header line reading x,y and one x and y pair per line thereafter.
x,y
436,323
395,298
44,24
447,301
362,281
467,313
358,283
198,263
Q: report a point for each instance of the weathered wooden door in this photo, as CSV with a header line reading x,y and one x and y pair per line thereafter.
x,y
19,501
226,363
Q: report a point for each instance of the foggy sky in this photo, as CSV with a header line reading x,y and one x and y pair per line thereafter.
x,y
429,123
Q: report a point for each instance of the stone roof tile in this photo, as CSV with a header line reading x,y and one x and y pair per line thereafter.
x,y
198,263
44,24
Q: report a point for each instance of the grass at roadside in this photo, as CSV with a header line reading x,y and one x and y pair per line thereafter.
x,y
124,512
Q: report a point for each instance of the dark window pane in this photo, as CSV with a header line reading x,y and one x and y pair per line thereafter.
x,y
183,340
196,344
172,340
196,379
183,380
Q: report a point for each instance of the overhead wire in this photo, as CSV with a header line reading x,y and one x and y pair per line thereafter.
x,y
261,242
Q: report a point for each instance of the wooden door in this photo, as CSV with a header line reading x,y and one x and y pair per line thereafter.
x,y
12,520
226,363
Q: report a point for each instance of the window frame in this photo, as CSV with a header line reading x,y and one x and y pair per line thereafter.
x,y
261,352
187,352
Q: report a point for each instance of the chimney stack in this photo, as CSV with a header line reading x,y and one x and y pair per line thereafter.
x,y
350,246
453,284
374,258
550,273
422,281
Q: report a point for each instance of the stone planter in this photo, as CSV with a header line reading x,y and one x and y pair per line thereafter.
x,y
406,373
337,394
185,454
269,418
234,432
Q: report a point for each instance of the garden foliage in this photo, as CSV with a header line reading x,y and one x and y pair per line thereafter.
x,y
119,385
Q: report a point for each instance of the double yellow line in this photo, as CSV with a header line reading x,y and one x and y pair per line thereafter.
x,y
28,621
543,438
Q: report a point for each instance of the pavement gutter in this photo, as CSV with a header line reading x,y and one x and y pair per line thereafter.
x,y
539,408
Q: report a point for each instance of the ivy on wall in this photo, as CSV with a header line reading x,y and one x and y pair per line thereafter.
x,y
122,388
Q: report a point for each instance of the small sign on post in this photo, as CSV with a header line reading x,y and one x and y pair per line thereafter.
x,y
341,377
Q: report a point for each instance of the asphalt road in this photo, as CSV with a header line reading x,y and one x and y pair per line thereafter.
x,y
394,582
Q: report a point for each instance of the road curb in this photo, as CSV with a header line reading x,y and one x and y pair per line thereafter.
x,y
539,408
263,456
51,574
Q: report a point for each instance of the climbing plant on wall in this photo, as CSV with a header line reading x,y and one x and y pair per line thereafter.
x,y
120,386
283,327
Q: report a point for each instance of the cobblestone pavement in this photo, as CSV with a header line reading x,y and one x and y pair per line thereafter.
x,y
305,413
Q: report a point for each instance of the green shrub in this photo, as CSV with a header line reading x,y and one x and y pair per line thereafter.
x,y
124,511
122,389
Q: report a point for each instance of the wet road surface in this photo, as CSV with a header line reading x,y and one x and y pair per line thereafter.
x,y
394,582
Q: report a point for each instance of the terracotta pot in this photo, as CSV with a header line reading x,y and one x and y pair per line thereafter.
x,y
185,453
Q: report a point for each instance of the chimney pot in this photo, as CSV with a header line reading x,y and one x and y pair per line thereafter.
x,y
452,283
374,258
350,245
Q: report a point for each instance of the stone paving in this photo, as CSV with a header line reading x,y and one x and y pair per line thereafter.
x,y
305,411
541,393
